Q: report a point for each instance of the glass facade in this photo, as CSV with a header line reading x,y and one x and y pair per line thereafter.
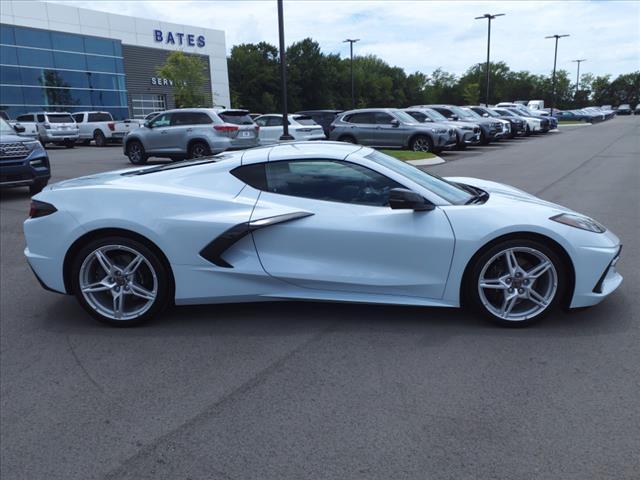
x,y
56,71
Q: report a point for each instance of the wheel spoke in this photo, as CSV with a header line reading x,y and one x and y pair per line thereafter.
x,y
118,305
512,261
141,292
100,286
539,269
536,298
494,283
104,262
133,265
508,304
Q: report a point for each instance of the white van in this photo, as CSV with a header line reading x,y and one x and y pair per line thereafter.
x,y
536,104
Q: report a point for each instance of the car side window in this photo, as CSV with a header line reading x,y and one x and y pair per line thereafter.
x,y
262,121
421,117
329,180
25,118
363,117
275,121
162,120
182,118
78,117
40,118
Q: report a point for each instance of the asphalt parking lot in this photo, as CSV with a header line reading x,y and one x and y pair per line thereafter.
x,y
331,391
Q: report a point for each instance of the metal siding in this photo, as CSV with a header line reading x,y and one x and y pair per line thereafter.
x,y
140,64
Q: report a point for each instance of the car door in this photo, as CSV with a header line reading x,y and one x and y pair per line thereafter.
x,y
388,132
179,131
157,139
344,237
273,130
83,128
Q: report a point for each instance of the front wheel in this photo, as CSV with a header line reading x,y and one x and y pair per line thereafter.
x,y
516,283
120,281
136,153
421,143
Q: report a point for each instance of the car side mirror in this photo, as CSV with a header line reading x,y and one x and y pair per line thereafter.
x,y
19,128
148,124
485,115
404,199
395,122
453,117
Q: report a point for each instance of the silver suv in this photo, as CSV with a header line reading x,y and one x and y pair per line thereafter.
x,y
191,133
466,133
51,127
390,127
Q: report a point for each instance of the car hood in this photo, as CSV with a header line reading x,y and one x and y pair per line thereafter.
x,y
12,139
507,193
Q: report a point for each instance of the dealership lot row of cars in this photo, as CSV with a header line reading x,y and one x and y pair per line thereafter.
x,y
199,132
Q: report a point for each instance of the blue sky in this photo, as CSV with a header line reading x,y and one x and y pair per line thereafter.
x,y
425,35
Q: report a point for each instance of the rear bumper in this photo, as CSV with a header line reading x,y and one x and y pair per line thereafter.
x,y
59,136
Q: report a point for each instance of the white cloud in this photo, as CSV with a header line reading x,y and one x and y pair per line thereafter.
x,y
424,35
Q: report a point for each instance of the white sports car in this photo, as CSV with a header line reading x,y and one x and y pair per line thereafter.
x,y
317,221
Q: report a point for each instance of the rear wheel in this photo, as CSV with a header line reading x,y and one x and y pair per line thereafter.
x,y
120,281
99,138
136,153
199,150
516,283
421,143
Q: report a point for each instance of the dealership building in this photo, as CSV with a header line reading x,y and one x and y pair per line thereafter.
x,y
62,58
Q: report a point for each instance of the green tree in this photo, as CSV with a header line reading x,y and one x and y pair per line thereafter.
x,y
254,77
188,74
471,93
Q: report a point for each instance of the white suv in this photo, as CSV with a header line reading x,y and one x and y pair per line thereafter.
x,y
51,127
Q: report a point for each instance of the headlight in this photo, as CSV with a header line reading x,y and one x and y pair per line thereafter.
x,y
579,221
32,145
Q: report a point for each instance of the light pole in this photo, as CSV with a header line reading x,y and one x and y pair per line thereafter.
x,y
351,41
283,76
489,17
579,61
553,81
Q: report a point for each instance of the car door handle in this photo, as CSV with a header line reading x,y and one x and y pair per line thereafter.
x,y
189,129
163,132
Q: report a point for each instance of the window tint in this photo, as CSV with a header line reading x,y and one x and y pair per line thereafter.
x,y
99,117
162,120
190,118
275,121
59,118
443,111
383,118
78,117
253,175
261,121
237,118
40,117
421,117
364,117
329,180
304,120
25,118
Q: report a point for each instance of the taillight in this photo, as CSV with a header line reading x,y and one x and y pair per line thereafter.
x,y
112,126
257,127
227,128
41,209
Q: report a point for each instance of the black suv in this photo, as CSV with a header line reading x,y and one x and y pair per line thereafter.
x,y
322,117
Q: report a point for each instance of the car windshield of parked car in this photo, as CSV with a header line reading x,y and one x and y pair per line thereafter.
x,y
449,191
490,112
434,115
60,118
404,117
505,113
461,113
5,128
471,112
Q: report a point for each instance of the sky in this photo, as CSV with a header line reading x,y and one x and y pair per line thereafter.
x,y
424,35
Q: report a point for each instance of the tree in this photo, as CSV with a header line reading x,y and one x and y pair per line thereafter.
x,y
254,77
188,75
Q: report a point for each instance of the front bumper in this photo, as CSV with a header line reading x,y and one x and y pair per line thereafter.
x,y
471,137
25,171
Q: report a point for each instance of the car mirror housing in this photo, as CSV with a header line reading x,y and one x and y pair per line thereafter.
x,y
453,117
148,124
485,115
18,128
404,199
395,122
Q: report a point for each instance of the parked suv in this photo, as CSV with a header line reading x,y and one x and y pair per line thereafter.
x,y
323,118
23,162
191,133
301,127
489,129
518,126
390,127
51,127
466,133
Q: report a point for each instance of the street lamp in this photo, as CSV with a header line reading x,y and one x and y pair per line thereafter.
x,y
553,81
283,76
351,41
579,61
489,17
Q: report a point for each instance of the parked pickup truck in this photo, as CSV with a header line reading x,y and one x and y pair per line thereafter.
x,y
102,128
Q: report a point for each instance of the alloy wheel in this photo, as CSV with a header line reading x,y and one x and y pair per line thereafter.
x,y
518,283
421,144
118,282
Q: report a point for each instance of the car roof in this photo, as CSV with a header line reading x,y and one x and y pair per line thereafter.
x,y
301,150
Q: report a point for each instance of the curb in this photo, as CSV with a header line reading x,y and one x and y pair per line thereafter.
x,y
575,125
426,161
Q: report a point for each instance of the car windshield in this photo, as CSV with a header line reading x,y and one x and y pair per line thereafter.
x,y
471,112
404,117
461,113
491,113
304,120
5,128
505,113
451,192
60,118
434,115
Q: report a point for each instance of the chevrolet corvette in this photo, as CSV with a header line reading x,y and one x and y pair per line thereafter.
x,y
318,221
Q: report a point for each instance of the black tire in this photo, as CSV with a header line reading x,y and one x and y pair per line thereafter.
x,y
527,132
347,139
99,139
37,187
199,150
421,143
471,295
460,145
484,140
69,143
136,152
86,142
164,284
